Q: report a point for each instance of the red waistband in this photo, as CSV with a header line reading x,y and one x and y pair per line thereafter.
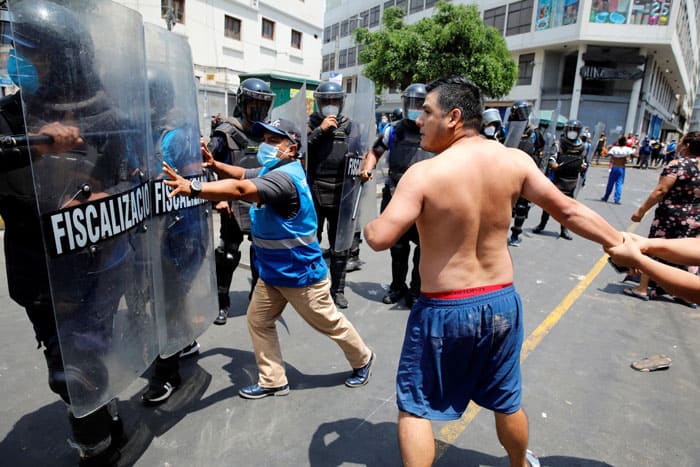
x,y
465,293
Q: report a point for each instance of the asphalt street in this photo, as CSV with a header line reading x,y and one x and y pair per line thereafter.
x,y
585,404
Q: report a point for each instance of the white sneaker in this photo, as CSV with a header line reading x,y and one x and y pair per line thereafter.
x,y
192,349
532,459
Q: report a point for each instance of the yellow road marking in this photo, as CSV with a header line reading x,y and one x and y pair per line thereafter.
x,y
452,430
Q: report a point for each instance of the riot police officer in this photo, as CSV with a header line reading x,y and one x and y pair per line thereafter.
x,y
492,125
328,143
531,142
568,164
53,41
233,143
402,140
396,115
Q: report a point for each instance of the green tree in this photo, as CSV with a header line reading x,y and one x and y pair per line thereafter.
x,y
454,41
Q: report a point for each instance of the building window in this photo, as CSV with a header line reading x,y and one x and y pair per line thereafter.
x,y
374,17
352,56
389,4
360,48
403,4
348,85
416,6
526,65
335,29
354,21
327,35
496,17
178,10
343,59
364,19
519,17
268,29
232,27
344,28
429,3
296,39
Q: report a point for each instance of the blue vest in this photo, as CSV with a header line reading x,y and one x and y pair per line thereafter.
x,y
287,251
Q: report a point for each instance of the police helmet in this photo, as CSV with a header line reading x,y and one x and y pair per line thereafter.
x,y
53,57
330,98
412,99
573,129
519,111
491,116
397,114
161,92
254,100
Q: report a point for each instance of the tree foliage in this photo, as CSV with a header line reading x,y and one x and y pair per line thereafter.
x,y
454,41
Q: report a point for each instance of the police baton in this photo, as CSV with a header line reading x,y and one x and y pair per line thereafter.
x,y
15,141
357,200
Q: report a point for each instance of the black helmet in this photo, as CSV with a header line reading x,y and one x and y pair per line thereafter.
x,y
573,125
397,114
160,93
412,98
329,93
519,111
253,100
52,38
491,116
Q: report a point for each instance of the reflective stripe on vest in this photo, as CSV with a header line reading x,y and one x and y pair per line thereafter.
x,y
285,243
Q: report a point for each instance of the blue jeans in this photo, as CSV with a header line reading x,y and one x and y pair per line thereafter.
x,y
616,179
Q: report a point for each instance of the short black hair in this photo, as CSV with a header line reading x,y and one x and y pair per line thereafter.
x,y
457,92
692,140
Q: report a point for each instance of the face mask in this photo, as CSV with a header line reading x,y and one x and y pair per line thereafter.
x,y
327,110
414,114
490,131
22,73
267,155
572,134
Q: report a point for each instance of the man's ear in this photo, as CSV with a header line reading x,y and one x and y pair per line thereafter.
x,y
454,118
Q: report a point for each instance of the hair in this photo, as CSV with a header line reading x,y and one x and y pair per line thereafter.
x,y
456,92
621,141
692,140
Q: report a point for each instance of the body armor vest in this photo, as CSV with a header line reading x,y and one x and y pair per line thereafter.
x,y
330,156
570,158
405,150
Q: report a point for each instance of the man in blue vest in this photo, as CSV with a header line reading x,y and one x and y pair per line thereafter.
x,y
287,254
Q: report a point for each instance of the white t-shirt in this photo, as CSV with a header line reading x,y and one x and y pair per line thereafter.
x,y
620,151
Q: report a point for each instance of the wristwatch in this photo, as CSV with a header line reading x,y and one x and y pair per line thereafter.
x,y
195,188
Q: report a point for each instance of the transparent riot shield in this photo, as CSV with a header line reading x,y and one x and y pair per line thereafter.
x,y
550,140
184,286
597,131
515,131
294,110
93,199
358,200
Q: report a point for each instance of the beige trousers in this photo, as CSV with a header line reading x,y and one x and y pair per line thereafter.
x,y
315,305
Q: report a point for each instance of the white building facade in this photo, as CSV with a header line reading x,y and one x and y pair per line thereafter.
x,y
233,37
631,64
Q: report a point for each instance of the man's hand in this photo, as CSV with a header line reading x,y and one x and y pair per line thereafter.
x,y
64,137
208,160
180,185
637,215
365,175
223,208
329,123
628,253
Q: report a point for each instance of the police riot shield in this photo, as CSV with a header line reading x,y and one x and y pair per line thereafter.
x,y
294,110
184,285
515,131
598,130
358,201
93,198
550,139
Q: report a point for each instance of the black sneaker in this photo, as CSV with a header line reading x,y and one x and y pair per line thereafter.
x,y
256,391
393,296
515,241
353,264
190,350
221,318
538,229
159,392
340,300
566,235
360,376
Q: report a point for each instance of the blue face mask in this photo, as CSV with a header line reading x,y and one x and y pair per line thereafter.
x,y
414,114
22,73
267,155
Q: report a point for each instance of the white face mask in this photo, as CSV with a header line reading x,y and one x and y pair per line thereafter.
x,y
490,131
572,134
328,110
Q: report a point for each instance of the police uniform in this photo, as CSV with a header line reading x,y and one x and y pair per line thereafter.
x,y
531,143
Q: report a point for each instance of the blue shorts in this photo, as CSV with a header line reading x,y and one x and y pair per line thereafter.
x,y
458,350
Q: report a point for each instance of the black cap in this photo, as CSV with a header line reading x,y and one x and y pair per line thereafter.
x,y
280,127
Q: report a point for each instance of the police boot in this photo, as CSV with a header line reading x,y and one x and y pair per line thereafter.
x,y
354,262
338,263
565,234
98,437
57,375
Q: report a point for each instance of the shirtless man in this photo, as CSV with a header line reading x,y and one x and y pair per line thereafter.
x,y
463,214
